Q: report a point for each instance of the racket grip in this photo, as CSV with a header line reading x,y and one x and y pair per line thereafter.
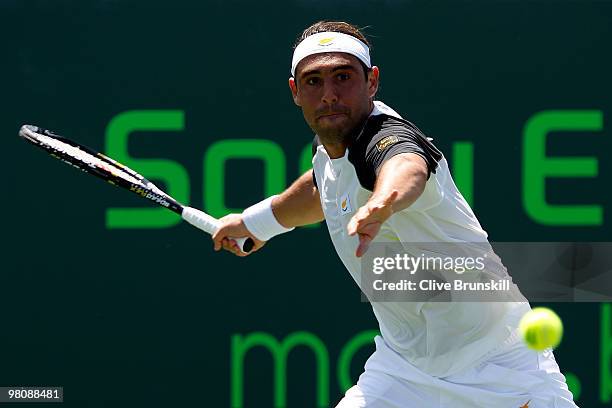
x,y
206,223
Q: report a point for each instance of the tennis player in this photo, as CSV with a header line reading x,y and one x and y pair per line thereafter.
x,y
376,177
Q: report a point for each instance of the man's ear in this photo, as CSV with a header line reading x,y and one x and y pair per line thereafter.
x,y
294,91
373,81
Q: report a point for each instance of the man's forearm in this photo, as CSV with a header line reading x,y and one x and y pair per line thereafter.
x,y
405,173
299,204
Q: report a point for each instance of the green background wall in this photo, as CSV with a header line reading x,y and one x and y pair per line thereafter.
x,y
150,321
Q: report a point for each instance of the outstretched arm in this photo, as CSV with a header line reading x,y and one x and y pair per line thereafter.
x,y
297,205
399,183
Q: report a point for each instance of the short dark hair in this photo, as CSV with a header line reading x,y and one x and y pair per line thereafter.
x,y
334,26
337,27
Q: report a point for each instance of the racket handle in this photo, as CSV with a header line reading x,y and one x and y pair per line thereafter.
x,y
206,223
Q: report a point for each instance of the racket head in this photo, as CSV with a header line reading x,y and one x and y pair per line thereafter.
x,y
101,166
96,164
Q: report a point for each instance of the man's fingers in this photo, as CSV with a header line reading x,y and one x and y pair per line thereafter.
x,y
364,244
356,222
236,249
231,246
372,212
232,226
366,236
226,244
218,238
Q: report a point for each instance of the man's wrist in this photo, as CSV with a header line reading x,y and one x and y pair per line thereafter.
x,y
259,219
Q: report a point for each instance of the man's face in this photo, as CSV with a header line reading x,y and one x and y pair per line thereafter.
x,y
334,95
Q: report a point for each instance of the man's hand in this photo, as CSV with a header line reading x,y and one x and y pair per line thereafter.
x,y
369,218
232,226
399,183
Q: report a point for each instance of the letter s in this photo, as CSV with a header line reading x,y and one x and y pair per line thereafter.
x,y
173,175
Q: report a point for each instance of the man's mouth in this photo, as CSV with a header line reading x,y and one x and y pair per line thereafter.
x,y
332,115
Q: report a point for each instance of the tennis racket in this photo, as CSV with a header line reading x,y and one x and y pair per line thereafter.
x,y
115,173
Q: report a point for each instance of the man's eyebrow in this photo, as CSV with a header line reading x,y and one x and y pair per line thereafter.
x,y
344,67
338,68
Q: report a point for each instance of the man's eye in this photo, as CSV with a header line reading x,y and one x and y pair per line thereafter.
x,y
312,81
343,76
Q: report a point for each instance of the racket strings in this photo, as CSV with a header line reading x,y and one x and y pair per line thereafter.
x,y
83,156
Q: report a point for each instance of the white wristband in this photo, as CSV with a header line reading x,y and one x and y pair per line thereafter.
x,y
261,222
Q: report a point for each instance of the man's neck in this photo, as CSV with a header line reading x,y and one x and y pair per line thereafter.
x,y
335,150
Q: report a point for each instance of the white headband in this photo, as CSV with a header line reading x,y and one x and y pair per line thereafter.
x,y
330,41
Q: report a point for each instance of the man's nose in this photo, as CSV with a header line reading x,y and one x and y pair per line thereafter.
x,y
330,94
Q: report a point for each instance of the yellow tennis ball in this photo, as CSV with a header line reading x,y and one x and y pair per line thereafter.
x,y
541,328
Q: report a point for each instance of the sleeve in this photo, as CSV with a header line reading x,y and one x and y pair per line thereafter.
x,y
395,140
315,144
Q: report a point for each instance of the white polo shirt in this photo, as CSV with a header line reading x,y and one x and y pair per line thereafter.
x,y
439,338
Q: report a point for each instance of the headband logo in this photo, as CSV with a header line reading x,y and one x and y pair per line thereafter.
x,y
326,41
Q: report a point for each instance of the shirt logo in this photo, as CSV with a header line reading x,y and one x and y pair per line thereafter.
x,y
386,142
345,205
326,41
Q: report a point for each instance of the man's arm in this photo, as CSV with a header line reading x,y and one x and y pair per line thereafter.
x,y
297,205
399,183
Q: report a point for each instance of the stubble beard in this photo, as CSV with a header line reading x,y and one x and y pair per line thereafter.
x,y
335,136
343,135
